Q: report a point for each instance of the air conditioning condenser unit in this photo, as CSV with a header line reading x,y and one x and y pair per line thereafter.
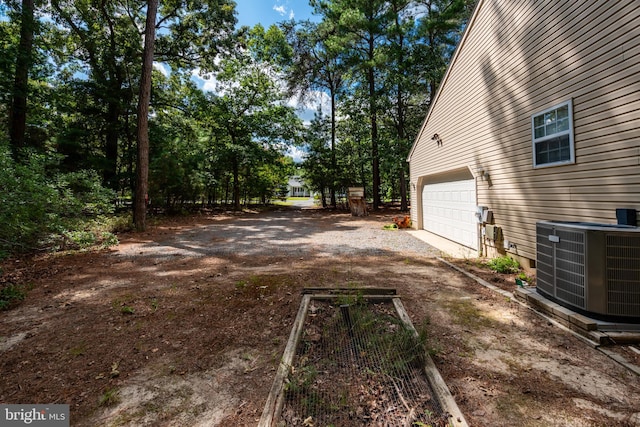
x,y
592,268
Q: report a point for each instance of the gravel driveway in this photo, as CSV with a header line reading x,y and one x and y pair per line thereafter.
x,y
285,232
185,325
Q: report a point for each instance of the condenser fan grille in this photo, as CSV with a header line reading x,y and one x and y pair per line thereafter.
x,y
623,275
545,277
570,256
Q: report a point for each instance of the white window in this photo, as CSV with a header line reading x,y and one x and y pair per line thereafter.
x,y
553,136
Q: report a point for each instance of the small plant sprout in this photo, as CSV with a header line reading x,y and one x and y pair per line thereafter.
x,y
110,397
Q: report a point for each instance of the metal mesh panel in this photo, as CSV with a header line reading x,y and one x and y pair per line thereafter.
x,y
544,259
623,275
358,365
570,267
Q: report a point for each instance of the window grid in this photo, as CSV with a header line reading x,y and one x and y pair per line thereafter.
x,y
553,136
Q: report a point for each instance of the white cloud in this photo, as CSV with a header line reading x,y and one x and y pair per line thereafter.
x,y
296,153
284,9
308,108
163,68
206,82
209,85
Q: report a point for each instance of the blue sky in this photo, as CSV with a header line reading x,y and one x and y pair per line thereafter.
x,y
267,12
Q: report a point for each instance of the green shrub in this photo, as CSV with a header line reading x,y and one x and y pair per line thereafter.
x,y
504,264
11,295
108,239
117,223
26,198
40,206
81,239
83,194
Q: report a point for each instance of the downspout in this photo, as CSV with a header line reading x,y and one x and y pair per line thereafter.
x,y
479,218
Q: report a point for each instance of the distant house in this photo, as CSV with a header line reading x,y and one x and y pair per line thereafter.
x,y
296,188
537,118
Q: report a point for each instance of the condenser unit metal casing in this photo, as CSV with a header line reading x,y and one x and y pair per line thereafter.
x,y
593,268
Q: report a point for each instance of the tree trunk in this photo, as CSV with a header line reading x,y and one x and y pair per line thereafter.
x,y
373,115
130,157
236,185
334,168
226,193
18,122
401,107
141,197
404,205
375,157
110,171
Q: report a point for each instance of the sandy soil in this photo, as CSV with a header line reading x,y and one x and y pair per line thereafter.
x,y
184,325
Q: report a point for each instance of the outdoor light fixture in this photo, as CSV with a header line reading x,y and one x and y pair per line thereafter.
x,y
437,139
483,174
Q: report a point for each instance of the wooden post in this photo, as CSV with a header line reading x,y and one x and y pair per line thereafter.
x,y
357,203
273,407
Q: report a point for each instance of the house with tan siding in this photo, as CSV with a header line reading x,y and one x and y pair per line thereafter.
x,y
537,118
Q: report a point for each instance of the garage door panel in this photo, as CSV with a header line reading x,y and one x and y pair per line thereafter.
x,y
449,211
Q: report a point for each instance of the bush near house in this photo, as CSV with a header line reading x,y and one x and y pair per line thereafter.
x,y
504,264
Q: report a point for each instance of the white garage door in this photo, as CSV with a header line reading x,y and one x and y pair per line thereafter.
x,y
448,210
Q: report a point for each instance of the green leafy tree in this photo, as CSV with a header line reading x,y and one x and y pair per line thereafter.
x,y
101,35
393,54
106,36
18,120
26,89
439,27
317,164
250,111
177,160
361,28
398,88
318,66
354,150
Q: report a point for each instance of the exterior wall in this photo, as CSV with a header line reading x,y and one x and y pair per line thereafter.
x,y
517,59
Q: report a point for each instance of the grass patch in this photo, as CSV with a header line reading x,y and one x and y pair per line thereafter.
x,y
110,397
123,304
126,309
465,313
78,350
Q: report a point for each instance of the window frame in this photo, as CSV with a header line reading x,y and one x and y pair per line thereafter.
x,y
569,132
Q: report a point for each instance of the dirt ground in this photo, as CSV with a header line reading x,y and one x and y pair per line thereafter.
x,y
167,330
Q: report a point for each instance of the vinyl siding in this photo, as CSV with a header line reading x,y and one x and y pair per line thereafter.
x,y
516,59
